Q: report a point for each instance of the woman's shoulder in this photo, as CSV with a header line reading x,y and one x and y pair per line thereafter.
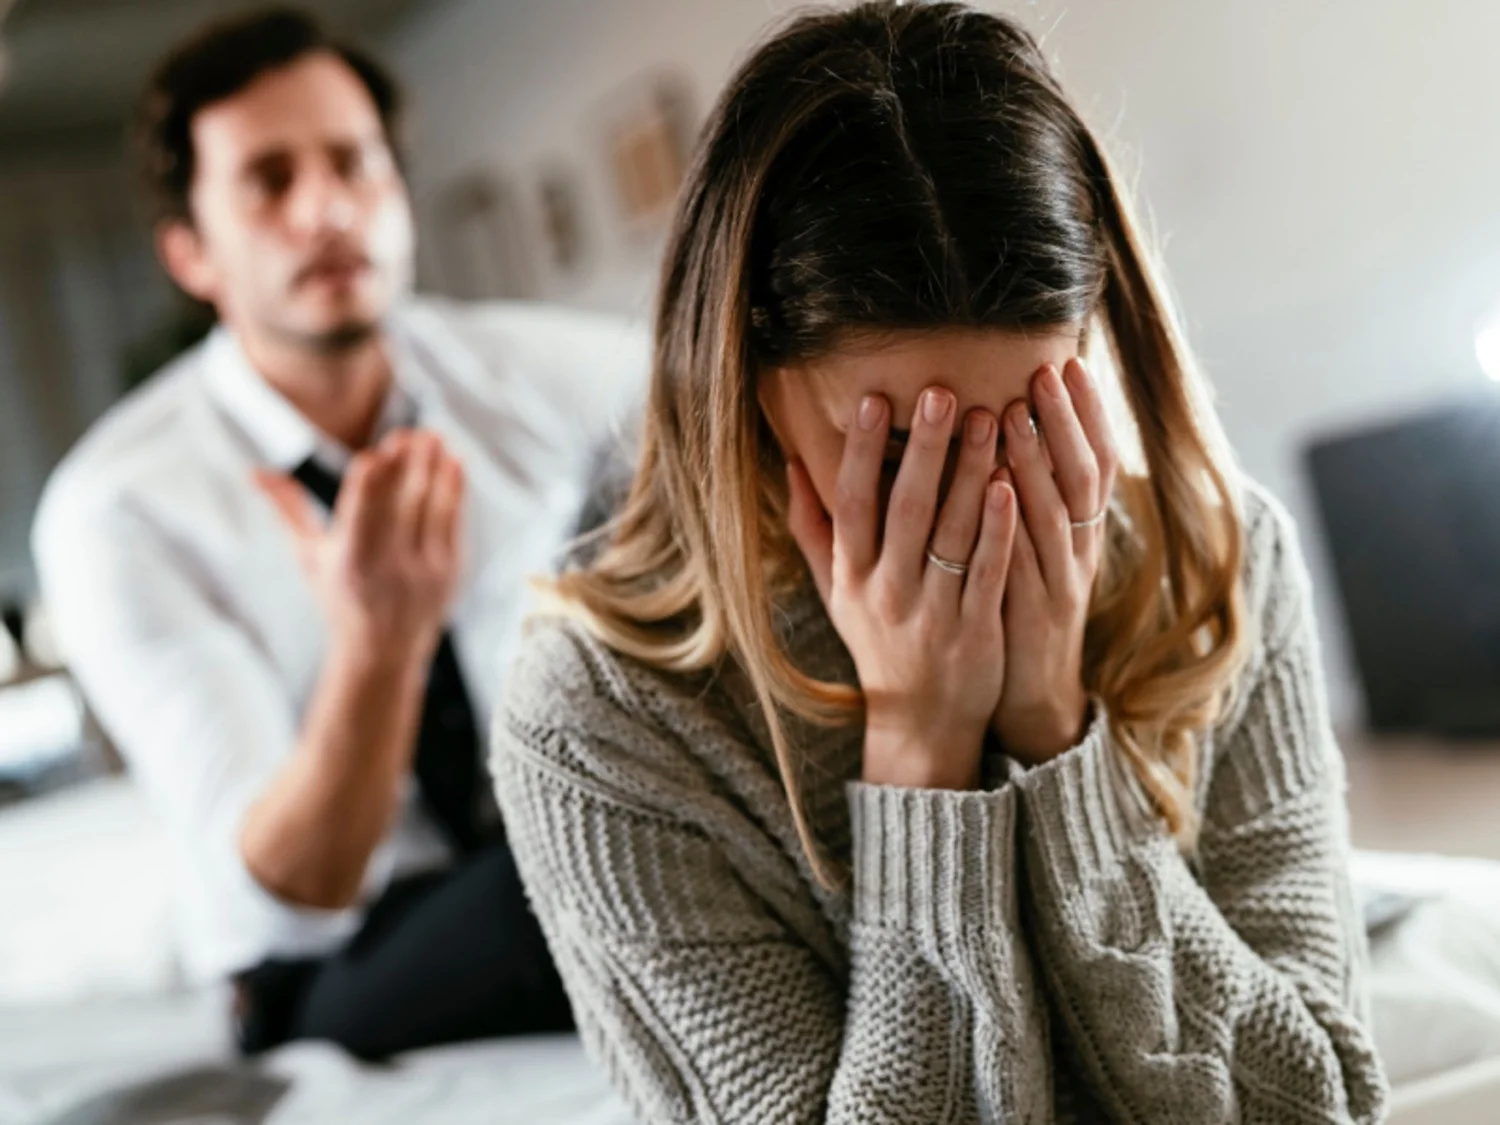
x,y
573,705
1273,572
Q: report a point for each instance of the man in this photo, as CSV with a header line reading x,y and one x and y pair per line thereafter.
x,y
289,572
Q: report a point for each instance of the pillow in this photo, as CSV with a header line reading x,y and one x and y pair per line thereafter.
x,y
85,898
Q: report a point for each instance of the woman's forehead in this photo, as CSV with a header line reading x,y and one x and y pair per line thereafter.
x,y
984,368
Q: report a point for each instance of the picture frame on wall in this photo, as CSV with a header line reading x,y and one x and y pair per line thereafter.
x,y
483,242
560,206
648,135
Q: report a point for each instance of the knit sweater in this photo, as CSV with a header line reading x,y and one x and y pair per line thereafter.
x,y
1038,950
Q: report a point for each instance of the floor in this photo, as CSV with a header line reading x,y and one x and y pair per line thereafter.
x,y
1424,794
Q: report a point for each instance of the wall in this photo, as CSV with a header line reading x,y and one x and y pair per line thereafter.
x,y
78,288
1324,176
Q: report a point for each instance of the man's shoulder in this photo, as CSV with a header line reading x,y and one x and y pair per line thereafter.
x,y
505,341
147,438
513,323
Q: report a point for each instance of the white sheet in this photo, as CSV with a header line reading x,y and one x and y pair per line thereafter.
x,y
85,910
1436,974
87,920
51,1059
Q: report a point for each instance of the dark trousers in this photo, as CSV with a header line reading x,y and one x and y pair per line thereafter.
x,y
442,957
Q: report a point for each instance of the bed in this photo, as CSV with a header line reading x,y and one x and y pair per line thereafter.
x,y
97,1028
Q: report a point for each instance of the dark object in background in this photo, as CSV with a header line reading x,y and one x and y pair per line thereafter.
x,y
13,618
1412,514
186,324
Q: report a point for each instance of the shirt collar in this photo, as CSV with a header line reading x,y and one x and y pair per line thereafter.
x,y
281,434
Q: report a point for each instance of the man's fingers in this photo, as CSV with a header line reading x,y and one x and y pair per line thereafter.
x,y
810,527
367,501
291,502
414,493
442,527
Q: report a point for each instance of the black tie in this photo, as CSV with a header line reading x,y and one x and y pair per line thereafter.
x,y
448,748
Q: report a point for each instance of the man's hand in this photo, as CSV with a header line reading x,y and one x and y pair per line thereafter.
x,y
384,569
386,566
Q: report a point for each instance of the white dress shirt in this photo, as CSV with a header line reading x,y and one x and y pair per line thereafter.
x,y
180,606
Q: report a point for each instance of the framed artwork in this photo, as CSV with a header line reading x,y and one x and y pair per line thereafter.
x,y
648,136
561,208
483,245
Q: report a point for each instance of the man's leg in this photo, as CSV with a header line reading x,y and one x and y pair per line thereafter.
x,y
441,958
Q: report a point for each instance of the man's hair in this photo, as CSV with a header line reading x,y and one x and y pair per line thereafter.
x,y
218,62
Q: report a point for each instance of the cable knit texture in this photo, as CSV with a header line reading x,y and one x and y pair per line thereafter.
x,y
1037,951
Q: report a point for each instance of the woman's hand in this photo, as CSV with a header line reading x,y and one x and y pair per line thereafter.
x,y
1044,708
928,642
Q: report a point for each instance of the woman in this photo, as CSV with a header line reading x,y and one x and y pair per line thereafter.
x,y
892,761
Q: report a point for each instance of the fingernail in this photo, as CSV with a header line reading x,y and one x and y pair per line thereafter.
x,y
981,428
1078,371
935,405
998,496
1052,383
869,412
1020,422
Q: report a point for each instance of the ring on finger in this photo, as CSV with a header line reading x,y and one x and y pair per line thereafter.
x,y
949,565
1093,521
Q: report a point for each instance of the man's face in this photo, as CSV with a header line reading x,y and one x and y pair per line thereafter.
x,y
301,228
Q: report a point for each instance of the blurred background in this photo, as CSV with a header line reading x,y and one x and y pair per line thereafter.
x,y
1324,181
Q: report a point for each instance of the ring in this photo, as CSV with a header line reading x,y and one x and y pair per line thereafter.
x,y
949,565
1093,521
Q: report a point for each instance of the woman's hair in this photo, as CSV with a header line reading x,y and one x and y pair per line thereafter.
x,y
909,167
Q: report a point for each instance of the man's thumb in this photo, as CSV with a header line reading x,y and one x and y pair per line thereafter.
x,y
291,502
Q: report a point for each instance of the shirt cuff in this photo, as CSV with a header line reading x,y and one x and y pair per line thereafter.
x,y
933,860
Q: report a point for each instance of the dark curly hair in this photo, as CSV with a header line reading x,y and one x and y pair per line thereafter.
x,y
218,62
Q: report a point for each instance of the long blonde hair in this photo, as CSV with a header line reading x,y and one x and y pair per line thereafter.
x,y
916,166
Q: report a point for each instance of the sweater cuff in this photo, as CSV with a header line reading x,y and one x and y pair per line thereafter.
x,y
1085,808
935,861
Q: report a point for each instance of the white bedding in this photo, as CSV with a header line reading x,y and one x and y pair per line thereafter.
x,y
1435,978
86,920
51,1059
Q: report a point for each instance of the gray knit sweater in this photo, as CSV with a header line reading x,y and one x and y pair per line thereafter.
x,y
1037,951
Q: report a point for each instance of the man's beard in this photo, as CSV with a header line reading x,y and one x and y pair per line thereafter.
x,y
341,339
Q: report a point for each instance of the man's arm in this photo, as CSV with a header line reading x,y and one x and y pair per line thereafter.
x,y
203,719
309,837
384,571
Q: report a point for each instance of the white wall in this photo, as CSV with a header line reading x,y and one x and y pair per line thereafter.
x,y
1326,175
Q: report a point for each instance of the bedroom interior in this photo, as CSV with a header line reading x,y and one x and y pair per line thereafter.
x,y
1331,230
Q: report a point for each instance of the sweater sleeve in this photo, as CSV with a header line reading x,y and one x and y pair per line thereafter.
x,y
704,1003
1236,995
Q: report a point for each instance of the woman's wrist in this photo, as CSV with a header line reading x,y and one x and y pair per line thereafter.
x,y
910,759
1041,734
